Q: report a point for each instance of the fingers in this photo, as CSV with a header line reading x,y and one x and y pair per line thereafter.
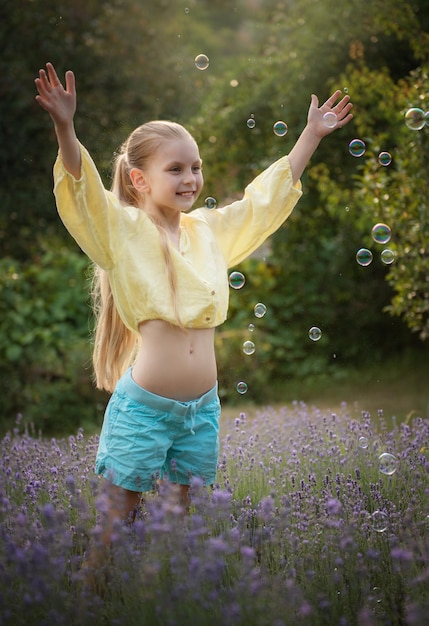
x,y
337,108
341,109
332,99
49,80
42,82
345,120
343,104
53,77
70,82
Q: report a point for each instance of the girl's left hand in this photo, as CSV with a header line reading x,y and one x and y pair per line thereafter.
x,y
322,126
60,103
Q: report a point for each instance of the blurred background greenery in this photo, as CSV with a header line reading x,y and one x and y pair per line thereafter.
x,y
134,61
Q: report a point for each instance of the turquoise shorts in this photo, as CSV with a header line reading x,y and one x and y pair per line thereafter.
x,y
146,437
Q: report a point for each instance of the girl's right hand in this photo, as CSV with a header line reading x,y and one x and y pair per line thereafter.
x,y
60,103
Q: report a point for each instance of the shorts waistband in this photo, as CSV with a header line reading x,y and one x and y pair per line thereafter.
x,y
161,403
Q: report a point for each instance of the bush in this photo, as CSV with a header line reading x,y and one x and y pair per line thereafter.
x,y
44,348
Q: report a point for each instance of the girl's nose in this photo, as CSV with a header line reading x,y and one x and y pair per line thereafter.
x,y
189,177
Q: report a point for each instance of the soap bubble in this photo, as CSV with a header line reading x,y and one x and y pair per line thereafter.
x,y
251,122
330,119
251,328
357,147
280,128
260,309
210,203
385,158
236,280
314,333
249,347
387,463
415,118
380,521
363,442
388,256
241,387
381,233
346,89
364,257
202,62
427,118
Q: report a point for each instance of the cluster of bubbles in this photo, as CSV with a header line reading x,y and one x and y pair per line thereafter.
x,y
416,118
387,462
237,281
259,311
280,128
357,148
381,233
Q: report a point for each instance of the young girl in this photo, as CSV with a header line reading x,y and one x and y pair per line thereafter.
x,y
162,284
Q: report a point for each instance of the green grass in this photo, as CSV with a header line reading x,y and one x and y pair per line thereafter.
x,y
399,388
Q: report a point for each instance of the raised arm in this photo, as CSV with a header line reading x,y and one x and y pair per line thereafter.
x,y
60,103
316,129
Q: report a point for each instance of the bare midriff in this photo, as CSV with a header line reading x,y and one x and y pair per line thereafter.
x,y
175,363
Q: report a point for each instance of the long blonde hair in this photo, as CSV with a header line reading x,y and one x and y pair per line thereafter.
x,y
115,345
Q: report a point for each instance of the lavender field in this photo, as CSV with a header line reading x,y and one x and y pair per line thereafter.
x,y
317,518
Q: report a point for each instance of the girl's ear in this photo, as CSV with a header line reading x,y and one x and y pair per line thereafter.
x,y
138,180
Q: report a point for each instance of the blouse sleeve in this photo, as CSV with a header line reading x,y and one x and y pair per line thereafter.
x,y
241,227
92,215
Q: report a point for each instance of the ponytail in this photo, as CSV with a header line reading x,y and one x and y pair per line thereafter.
x,y
115,346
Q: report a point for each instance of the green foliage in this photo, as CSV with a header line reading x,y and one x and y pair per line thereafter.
x,y
398,195
315,278
44,348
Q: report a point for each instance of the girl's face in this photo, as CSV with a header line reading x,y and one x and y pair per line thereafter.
x,y
173,177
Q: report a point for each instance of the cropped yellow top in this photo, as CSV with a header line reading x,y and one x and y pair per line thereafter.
x,y
125,242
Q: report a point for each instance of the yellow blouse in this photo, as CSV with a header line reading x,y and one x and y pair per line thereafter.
x,y
125,242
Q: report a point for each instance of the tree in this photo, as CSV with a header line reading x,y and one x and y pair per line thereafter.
x,y
316,279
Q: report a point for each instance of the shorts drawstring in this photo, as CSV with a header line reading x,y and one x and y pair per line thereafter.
x,y
190,415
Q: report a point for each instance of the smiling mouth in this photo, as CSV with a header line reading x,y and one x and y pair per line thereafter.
x,y
186,194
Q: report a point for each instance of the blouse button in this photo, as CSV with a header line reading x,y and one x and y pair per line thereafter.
x,y
207,319
213,293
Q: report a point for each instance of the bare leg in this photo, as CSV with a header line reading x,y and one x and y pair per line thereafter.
x,y
121,506
179,494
